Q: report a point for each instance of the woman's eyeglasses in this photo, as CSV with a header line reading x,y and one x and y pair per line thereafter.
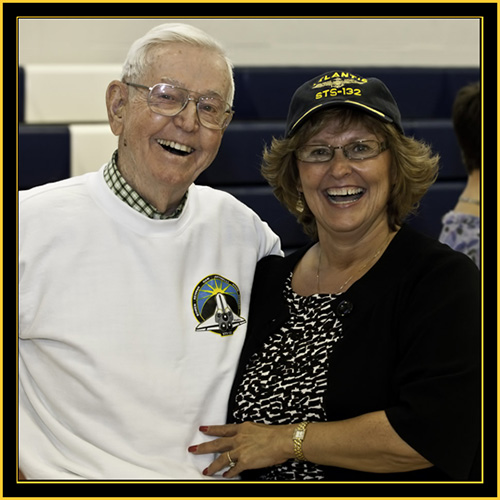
x,y
359,150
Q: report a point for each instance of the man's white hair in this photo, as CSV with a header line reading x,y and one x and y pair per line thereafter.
x,y
136,62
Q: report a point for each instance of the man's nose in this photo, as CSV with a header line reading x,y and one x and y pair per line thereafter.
x,y
188,119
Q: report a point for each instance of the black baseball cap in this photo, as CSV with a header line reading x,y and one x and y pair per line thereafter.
x,y
342,88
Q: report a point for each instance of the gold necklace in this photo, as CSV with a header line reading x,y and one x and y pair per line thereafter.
x,y
386,243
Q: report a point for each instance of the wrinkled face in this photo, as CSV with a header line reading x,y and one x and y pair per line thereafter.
x,y
160,150
346,195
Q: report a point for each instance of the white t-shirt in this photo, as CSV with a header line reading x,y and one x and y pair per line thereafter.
x,y
121,354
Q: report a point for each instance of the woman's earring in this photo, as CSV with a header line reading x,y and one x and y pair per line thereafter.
x,y
300,203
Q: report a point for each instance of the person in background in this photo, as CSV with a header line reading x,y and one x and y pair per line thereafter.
x,y
134,283
362,360
462,226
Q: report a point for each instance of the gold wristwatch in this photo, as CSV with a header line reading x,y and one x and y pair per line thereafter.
x,y
298,437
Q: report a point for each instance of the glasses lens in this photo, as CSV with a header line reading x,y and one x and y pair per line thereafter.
x,y
213,112
313,153
167,100
362,150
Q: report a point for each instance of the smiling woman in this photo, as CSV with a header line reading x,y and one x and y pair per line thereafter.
x,y
341,181
346,373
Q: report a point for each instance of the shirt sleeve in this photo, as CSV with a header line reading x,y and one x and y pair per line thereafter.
x,y
438,373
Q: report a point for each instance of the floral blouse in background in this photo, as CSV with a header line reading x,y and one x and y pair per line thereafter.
x,y
462,233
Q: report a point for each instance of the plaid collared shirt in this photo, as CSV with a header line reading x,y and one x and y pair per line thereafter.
x,y
117,183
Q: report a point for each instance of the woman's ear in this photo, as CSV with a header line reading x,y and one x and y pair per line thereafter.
x,y
116,99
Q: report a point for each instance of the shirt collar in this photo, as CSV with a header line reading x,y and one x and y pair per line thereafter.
x,y
121,188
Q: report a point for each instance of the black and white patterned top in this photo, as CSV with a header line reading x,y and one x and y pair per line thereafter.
x,y
286,381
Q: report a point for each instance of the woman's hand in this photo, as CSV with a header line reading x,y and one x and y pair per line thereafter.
x,y
366,443
247,445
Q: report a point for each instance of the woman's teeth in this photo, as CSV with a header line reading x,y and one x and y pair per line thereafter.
x,y
175,147
345,194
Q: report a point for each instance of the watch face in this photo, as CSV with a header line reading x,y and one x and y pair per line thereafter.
x,y
299,434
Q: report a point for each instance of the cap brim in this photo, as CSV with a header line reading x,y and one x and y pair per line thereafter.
x,y
332,104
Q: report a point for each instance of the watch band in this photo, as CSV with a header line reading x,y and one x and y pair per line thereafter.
x,y
298,437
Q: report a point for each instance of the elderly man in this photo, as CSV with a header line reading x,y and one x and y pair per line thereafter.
x,y
134,283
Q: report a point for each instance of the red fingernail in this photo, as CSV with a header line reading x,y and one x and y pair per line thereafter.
x,y
205,472
192,449
203,428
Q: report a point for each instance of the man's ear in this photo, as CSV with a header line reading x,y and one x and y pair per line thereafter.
x,y
116,99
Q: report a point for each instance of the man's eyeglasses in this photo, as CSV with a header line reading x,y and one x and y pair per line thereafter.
x,y
359,150
167,100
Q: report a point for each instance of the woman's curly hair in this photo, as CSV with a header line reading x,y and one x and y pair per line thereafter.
x,y
414,167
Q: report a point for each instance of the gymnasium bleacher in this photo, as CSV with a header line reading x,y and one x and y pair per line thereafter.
x,y
63,130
